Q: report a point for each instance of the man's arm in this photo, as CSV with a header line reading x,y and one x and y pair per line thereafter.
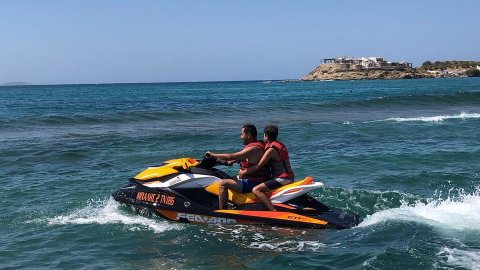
x,y
238,156
263,161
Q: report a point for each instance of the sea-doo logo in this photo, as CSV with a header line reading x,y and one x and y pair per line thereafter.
x,y
155,198
205,219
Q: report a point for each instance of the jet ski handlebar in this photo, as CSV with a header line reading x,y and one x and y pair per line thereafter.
x,y
209,162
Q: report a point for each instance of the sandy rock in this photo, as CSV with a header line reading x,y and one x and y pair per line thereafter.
x,y
336,72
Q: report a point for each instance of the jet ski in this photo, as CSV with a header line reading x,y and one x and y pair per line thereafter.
x,y
186,190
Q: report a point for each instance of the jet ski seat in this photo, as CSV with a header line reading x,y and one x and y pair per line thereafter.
x,y
246,198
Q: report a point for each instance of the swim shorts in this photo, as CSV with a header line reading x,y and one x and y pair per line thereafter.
x,y
277,182
246,185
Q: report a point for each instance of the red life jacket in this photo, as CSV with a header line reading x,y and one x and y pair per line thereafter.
x,y
281,168
262,174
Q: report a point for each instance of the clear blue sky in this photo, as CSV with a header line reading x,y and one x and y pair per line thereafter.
x,y
82,41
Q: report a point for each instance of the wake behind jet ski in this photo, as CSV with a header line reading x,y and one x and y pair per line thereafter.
x,y
186,190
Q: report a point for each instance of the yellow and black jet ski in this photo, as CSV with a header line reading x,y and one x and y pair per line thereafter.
x,y
186,190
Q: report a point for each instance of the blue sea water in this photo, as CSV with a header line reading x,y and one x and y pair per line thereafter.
x,y
404,154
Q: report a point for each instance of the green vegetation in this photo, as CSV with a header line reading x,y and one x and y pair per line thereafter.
x,y
473,72
448,64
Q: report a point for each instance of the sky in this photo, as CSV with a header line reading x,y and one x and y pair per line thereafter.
x,y
102,41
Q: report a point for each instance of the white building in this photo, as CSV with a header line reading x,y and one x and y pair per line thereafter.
x,y
367,63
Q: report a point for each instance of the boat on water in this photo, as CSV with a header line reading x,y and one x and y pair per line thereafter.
x,y
186,190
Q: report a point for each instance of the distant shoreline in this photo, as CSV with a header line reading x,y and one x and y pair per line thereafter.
x,y
371,69
335,76
172,82
16,84
318,75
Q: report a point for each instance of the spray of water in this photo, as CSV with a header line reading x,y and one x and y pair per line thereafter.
x,y
108,212
468,259
456,212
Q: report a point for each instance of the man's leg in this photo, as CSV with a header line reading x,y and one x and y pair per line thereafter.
x,y
225,185
259,191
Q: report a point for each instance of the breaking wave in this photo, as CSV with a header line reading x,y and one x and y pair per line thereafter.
x,y
107,212
439,118
454,213
470,259
408,100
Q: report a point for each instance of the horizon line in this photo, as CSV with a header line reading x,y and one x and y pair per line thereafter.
x,y
161,82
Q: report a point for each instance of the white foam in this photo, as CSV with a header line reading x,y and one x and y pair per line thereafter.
x,y
469,259
288,245
107,212
438,118
454,213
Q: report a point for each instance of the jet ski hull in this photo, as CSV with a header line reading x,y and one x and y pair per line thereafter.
x,y
198,206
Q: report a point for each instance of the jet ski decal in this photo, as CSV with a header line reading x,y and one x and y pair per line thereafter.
x,y
274,215
195,218
155,198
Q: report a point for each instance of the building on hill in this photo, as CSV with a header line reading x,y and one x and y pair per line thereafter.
x,y
365,63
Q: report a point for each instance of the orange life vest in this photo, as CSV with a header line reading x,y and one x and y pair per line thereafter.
x,y
281,168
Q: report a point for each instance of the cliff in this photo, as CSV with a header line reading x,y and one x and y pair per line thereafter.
x,y
339,71
336,72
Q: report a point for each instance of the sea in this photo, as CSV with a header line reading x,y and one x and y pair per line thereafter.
x,y
403,154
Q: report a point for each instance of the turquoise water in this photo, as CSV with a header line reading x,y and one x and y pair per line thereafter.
x,y
403,154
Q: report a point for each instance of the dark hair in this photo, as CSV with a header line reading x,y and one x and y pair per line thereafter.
x,y
250,129
271,132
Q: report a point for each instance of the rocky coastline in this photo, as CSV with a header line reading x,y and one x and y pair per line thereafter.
x,y
327,72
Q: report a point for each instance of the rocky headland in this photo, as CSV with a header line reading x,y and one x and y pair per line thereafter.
x,y
328,72
15,84
333,71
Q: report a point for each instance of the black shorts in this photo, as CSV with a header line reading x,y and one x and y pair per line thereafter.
x,y
276,183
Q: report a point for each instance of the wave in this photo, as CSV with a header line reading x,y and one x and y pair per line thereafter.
x,y
464,98
194,110
458,213
344,106
270,238
289,245
108,212
469,259
438,118
100,118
